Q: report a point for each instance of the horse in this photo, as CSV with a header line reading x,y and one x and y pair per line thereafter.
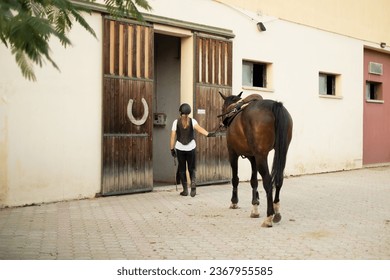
x,y
255,126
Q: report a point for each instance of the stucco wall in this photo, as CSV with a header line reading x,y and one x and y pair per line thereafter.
x,y
366,19
327,131
51,129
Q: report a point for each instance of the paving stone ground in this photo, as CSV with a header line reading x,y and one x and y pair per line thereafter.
x,y
337,216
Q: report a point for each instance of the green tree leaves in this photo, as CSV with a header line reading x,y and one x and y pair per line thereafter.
x,y
27,25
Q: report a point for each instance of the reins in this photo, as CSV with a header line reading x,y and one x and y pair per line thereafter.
x,y
238,107
234,109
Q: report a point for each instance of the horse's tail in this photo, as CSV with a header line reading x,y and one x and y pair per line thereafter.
x,y
282,141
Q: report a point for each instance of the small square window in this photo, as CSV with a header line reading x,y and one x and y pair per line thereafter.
x,y
374,91
254,74
327,84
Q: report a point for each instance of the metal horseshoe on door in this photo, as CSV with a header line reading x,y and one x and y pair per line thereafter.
x,y
130,112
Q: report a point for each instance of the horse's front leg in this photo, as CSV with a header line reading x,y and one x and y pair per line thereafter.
x,y
255,194
234,165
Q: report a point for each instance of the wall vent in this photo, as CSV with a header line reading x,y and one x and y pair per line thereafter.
x,y
375,68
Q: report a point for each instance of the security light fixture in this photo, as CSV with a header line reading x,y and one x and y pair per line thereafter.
x,y
261,27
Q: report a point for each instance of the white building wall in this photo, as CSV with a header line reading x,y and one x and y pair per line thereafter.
x,y
50,130
366,19
327,132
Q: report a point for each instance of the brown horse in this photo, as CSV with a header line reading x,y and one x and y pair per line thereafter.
x,y
254,128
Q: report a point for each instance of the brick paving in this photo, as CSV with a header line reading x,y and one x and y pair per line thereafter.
x,y
342,215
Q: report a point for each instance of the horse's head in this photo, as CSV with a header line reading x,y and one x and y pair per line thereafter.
x,y
229,100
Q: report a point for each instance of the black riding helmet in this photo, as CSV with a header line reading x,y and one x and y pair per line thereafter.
x,y
185,109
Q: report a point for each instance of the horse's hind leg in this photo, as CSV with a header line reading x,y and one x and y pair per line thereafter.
x,y
255,194
278,185
277,217
235,180
262,166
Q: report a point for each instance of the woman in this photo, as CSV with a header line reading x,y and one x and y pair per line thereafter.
x,y
183,140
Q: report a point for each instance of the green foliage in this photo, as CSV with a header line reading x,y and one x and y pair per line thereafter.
x,y
27,25
127,8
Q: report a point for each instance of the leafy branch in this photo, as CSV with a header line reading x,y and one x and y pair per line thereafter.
x,y
26,26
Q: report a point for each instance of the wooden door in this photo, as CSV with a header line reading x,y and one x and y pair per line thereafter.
x,y
127,107
213,74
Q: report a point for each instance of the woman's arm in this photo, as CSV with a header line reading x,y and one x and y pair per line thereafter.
x,y
173,140
201,130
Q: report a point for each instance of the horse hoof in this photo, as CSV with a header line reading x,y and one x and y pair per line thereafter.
x,y
267,223
234,206
254,215
277,218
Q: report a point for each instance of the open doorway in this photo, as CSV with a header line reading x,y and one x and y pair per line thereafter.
x,y
166,100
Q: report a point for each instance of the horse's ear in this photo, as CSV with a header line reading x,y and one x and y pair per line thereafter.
x,y
223,96
239,95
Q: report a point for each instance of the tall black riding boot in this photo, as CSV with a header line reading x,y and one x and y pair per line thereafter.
x,y
185,190
183,180
193,188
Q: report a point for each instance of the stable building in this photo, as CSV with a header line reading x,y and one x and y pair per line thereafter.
x,y
101,125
